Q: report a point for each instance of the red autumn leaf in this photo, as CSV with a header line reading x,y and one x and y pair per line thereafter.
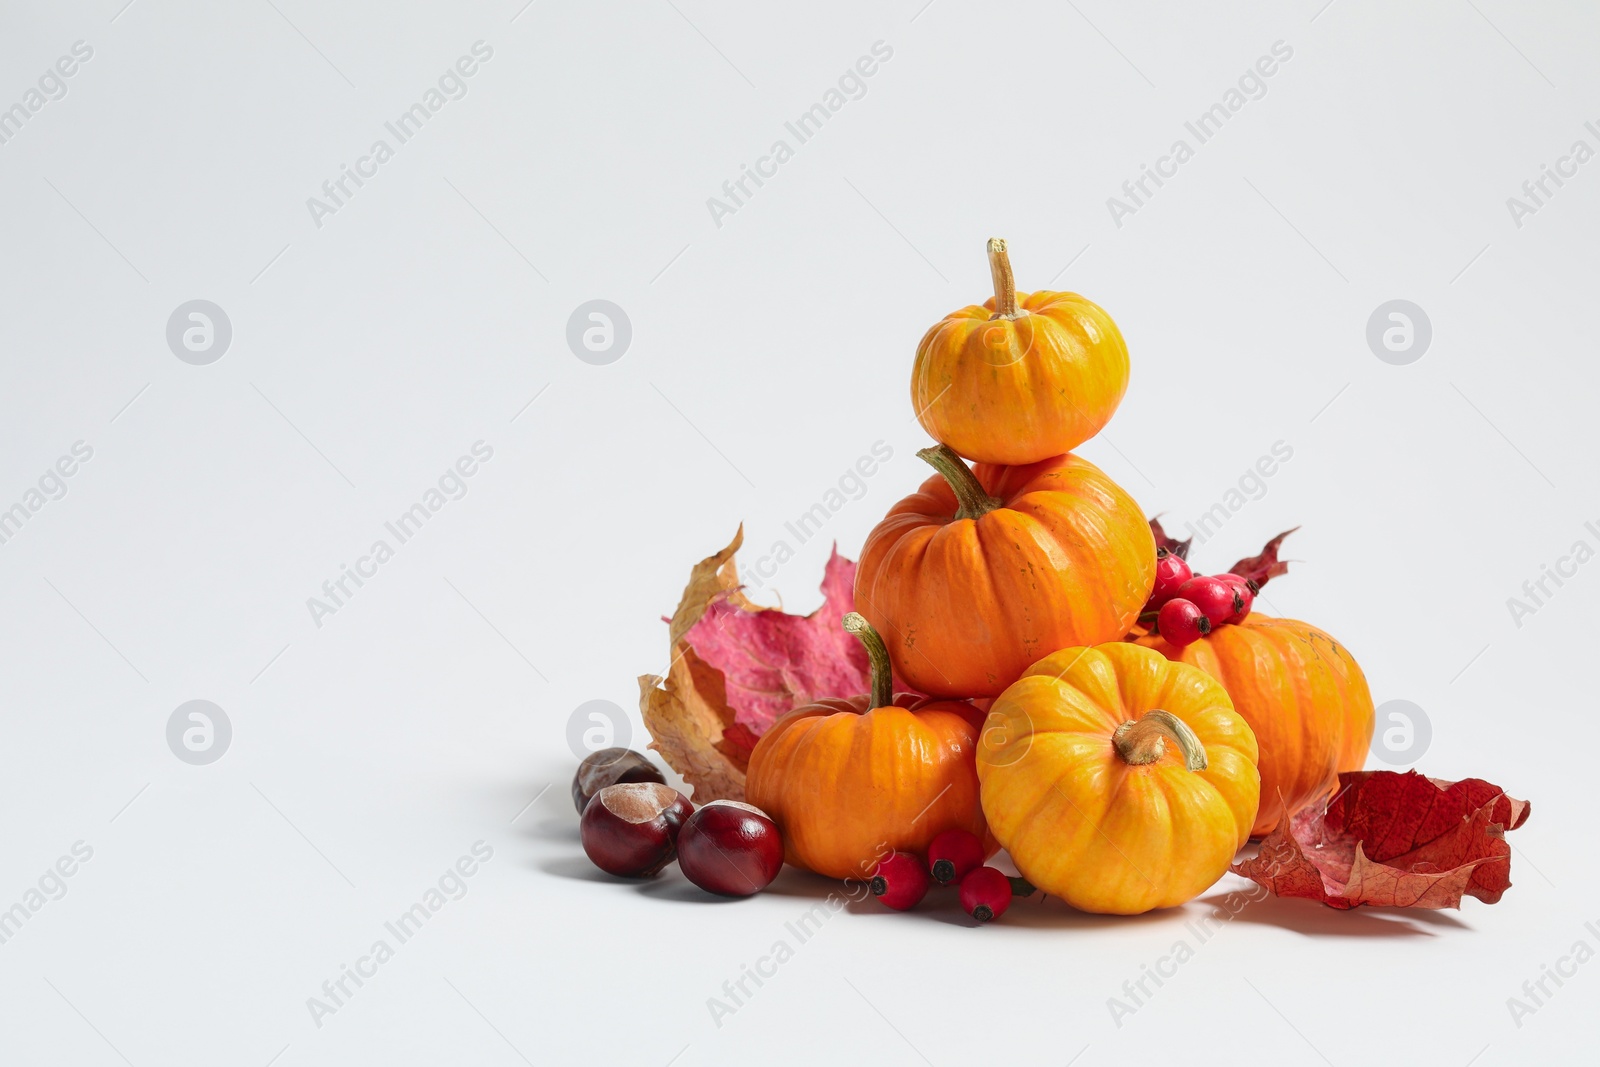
x,y
736,666
1258,569
1394,839
1166,542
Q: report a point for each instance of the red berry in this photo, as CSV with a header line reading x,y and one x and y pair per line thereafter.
x,y
730,848
1171,572
1246,591
985,894
952,854
1182,622
900,881
1217,598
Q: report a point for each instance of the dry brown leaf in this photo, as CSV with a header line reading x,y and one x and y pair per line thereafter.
x,y
687,712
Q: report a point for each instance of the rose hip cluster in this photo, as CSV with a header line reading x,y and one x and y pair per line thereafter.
x,y
634,824
1185,606
955,857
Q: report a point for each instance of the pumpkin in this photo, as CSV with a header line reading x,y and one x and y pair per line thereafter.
x,y
979,573
1117,779
1303,695
1021,378
848,781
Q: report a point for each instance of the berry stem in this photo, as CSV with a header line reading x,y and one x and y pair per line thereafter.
x,y
969,492
1145,740
1005,284
877,655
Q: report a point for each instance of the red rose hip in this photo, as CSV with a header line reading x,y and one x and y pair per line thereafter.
x,y
1245,591
631,829
952,854
1213,596
1182,623
730,849
900,881
1171,572
985,894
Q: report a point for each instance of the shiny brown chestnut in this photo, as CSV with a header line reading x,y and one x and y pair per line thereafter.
x,y
731,849
631,829
609,766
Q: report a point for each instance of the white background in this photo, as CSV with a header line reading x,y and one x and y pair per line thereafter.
x,y
768,354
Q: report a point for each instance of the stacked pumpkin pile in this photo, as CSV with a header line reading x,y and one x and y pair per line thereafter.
x,y
1120,769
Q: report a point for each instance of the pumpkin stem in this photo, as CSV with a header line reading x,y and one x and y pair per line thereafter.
x,y
969,492
1145,740
877,655
1005,285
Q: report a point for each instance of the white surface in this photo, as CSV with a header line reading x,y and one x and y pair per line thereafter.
x,y
423,315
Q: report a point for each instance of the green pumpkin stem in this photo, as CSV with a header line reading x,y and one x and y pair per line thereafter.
x,y
969,493
1145,740
878,655
1005,284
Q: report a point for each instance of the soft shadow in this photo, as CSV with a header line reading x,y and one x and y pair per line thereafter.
x,y
579,869
1040,912
793,882
678,889
1311,919
943,904
562,828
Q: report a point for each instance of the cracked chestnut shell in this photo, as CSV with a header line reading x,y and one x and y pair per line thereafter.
x,y
609,766
631,829
731,849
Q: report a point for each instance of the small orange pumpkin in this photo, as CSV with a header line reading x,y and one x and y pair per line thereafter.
x,y
1023,377
1304,696
848,781
1118,780
979,573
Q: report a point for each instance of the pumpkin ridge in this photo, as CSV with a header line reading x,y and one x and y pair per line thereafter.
x,y
1254,660
1310,668
907,552
1026,585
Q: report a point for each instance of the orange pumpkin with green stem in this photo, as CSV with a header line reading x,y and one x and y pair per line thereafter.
x,y
980,572
1118,780
1022,377
848,781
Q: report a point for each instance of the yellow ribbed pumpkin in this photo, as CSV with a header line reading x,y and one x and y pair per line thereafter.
x,y
1022,377
1117,779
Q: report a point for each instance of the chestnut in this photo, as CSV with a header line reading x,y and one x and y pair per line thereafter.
x,y
731,849
608,767
631,829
